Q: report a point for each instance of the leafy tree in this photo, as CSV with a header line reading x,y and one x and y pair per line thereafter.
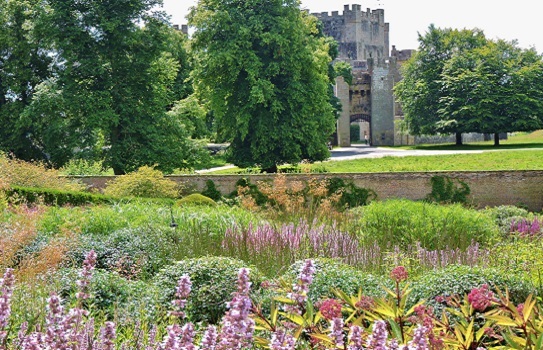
x,y
24,63
344,69
496,89
263,68
420,91
119,68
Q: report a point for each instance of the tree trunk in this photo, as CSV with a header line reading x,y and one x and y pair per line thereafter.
x,y
459,139
496,139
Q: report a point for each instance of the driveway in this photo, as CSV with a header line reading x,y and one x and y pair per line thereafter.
x,y
362,151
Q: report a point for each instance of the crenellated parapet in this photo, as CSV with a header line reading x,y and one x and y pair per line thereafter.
x,y
354,12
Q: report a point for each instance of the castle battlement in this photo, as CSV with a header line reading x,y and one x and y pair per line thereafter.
x,y
353,12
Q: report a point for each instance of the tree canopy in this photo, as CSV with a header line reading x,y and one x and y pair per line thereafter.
x,y
460,82
113,71
262,66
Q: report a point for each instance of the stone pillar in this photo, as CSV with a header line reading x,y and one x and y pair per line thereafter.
x,y
382,106
344,120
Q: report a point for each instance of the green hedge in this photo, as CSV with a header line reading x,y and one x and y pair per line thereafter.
x,y
56,197
48,196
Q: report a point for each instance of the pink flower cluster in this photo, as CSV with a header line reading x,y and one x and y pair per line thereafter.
x,y
399,274
481,298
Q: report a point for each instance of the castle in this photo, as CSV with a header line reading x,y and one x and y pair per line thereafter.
x,y
363,41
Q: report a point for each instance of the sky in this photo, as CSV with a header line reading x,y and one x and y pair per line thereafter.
x,y
503,19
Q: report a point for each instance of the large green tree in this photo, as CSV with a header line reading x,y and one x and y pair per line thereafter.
x,y
497,88
263,68
420,90
24,63
119,68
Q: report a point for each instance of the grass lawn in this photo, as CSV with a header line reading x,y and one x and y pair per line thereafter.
x,y
507,160
519,140
523,151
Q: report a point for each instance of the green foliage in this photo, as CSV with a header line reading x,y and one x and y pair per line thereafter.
x,y
24,63
420,90
3,196
145,182
55,197
110,294
82,167
460,280
504,215
263,67
446,190
332,274
193,115
251,189
522,258
26,174
213,282
110,88
351,195
132,252
211,191
344,69
196,199
459,81
495,88
435,226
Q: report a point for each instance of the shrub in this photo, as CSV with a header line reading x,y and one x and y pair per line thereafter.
x,y
504,215
196,199
111,295
83,167
213,282
132,252
522,258
145,182
3,196
251,190
460,280
351,195
447,190
55,197
332,274
435,226
211,191
25,174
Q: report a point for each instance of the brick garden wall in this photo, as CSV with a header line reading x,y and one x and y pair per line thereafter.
x,y
488,188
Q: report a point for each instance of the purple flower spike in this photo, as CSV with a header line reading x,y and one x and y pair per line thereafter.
x,y
378,338
336,334
108,336
237,327
85,276
209,340
182,292
355,338
187,337
6,291
282,341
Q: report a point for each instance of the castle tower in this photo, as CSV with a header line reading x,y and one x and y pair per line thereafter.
x,y
363,41
361,35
